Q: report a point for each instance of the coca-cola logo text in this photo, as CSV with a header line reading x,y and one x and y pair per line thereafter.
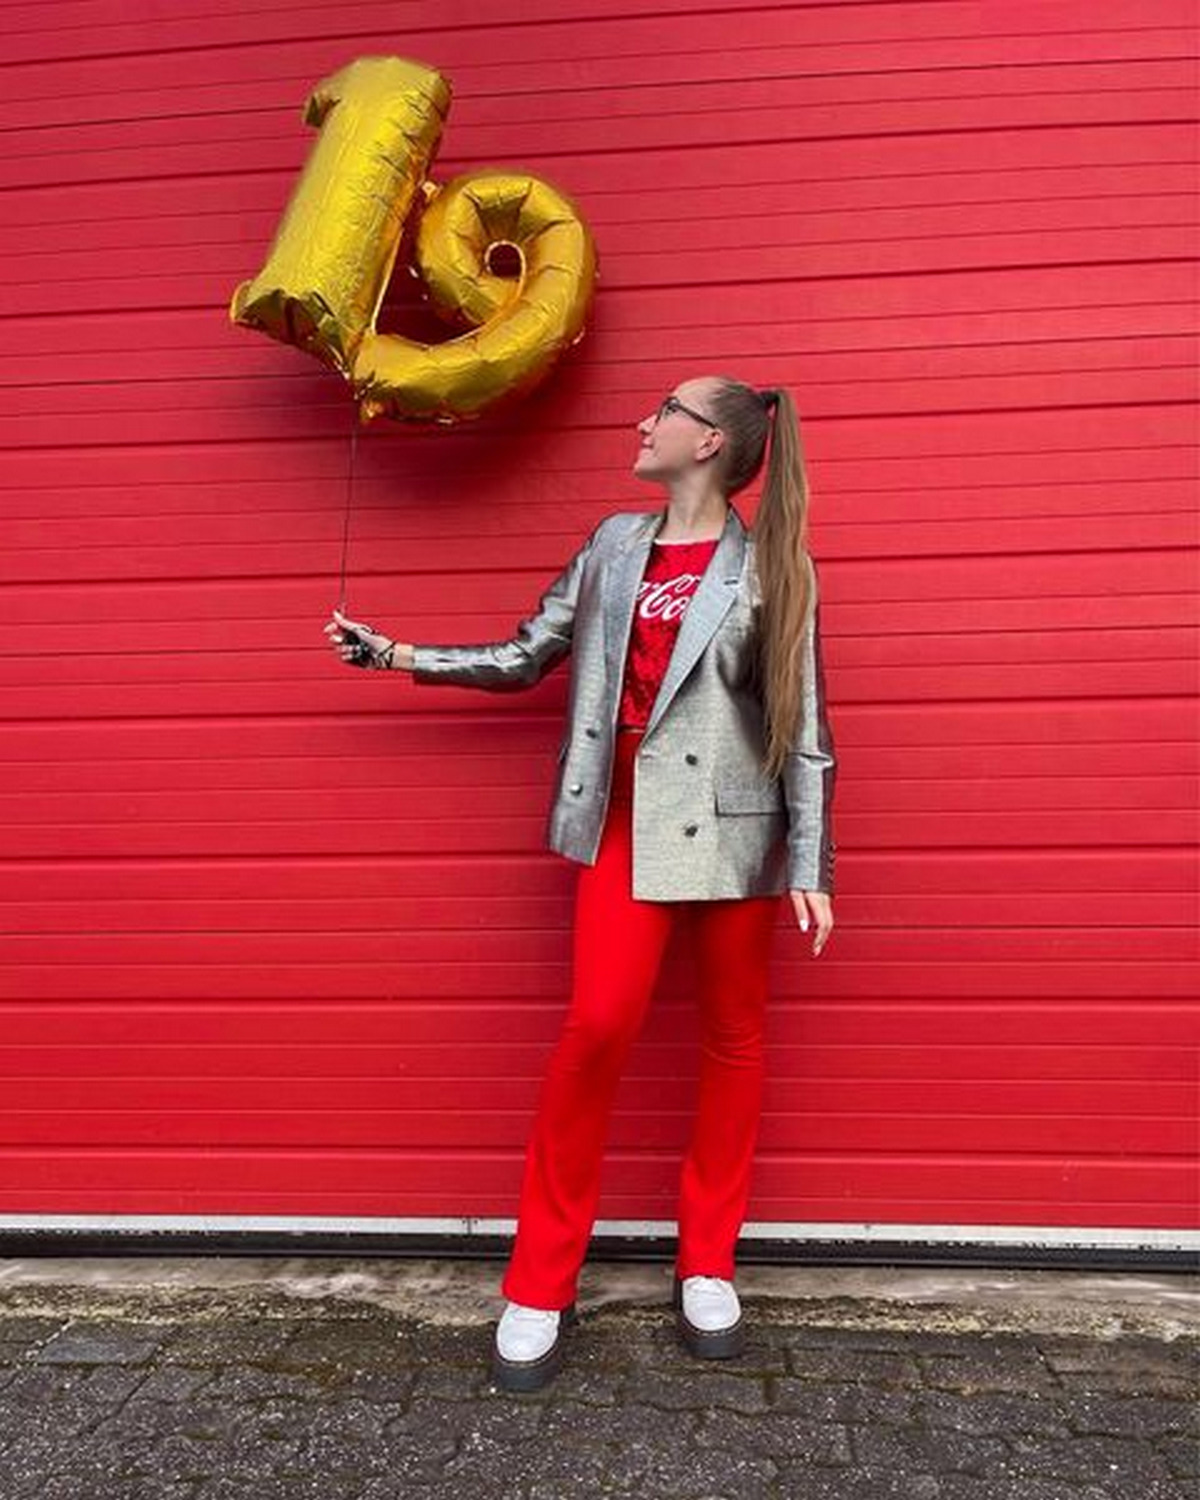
x,y
666,600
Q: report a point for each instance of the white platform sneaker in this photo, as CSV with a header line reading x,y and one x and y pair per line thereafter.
x,y
709,1317
529,1346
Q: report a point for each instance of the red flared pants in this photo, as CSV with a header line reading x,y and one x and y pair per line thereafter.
x,y
618,947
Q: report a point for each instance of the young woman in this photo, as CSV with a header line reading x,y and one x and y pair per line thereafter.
x,y
696,778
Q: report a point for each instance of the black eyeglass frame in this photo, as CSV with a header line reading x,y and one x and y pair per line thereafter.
x,y
673,403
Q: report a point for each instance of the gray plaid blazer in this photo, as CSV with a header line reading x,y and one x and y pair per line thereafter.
x,y
707,824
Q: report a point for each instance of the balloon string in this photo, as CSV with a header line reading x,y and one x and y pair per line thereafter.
x,y
354,419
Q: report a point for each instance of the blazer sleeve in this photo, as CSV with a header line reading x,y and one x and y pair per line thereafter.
x,y
540,642
810,771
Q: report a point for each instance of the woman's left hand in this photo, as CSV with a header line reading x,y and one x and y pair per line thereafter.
x,y
814,908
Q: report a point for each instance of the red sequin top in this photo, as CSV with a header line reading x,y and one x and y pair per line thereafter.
x,y
672,576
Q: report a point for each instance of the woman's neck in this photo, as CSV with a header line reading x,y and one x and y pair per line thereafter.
x,y
694,514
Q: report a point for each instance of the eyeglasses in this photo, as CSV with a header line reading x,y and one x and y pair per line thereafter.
x,y
673,403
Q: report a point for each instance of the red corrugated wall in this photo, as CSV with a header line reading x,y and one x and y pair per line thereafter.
x,y
280,938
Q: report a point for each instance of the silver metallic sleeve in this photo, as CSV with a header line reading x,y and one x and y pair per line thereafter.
x,y
811,770
540,642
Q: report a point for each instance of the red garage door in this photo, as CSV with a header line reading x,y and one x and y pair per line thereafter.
x,y
280,939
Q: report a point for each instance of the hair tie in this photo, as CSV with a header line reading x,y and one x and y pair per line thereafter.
x,y
769,398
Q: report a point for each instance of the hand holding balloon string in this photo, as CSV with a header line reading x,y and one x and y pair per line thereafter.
x,y
361,645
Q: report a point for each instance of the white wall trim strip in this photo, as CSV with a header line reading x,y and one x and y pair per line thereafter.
x,y
1034,1235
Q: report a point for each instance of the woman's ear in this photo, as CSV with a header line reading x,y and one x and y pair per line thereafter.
x,y
710,444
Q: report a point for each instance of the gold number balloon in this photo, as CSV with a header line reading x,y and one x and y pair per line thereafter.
x,y
503,255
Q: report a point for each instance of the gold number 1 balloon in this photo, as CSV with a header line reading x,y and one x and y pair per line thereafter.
x,y
502,254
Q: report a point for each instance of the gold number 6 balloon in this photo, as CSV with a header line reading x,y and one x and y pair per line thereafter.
x,y
380,121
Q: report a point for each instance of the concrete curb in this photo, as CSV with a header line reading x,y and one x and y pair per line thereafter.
x,y
465,1293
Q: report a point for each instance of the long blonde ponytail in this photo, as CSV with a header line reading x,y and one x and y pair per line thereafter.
x,y
780,543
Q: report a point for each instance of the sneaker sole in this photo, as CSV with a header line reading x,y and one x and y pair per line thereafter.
x,y
706,1343
532,1374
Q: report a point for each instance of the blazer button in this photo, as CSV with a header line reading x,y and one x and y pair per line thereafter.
x,y
592,732
575,788
692,830
692,760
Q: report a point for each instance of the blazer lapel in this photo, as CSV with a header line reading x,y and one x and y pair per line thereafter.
x,y
708,607
619,593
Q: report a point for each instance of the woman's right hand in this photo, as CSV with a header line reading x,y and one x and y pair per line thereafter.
x,y
359,645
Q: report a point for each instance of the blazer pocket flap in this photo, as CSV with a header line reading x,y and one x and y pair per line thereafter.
x,y
747,795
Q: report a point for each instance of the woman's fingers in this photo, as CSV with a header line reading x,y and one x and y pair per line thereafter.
x,y
356,628
344,632
814,909
822,909
361,645
343,636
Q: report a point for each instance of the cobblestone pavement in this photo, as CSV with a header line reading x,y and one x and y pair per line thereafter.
x,y
238,1393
